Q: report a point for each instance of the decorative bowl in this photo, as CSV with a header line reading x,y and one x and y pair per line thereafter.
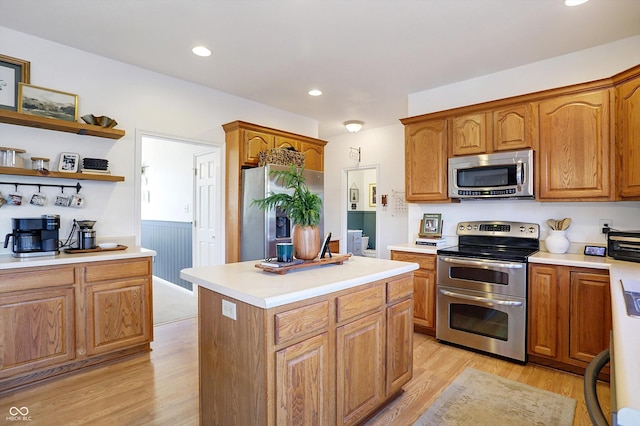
x,y
102,121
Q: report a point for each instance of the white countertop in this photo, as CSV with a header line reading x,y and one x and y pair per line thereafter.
x,y
418,248
7,261
244,282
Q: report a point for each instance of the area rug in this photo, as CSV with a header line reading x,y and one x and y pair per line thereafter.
x,y
476,398
172,302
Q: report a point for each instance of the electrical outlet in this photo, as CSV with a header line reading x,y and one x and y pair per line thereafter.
x,y
229,309
605,225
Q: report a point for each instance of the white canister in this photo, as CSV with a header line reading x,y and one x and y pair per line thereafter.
x,y
12,157
557,241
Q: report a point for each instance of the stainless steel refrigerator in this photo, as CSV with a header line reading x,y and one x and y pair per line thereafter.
x,y
260,230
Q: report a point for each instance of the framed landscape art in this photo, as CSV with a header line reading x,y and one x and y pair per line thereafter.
x,y
48,103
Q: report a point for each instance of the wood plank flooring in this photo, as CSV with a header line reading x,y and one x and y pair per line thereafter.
x,y
161,388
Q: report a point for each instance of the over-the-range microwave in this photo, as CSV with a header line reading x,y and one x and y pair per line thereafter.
x,y
496,175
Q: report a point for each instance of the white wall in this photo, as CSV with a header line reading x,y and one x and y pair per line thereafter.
x,y
139,100
592,64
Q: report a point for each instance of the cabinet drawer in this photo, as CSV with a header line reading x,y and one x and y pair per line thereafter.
x,y
296,322
399,289
426,261
36,278
117,269
353,304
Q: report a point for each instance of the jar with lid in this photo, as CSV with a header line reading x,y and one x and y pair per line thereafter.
x,y
40,164
11,157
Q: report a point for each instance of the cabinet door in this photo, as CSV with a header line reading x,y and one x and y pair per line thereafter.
x,y
575,147
119,315
544,311
37,329
313,156
424,292
360,368
628,127
512,128
469,134
399,345
253,143
589,315
302,383
283,142
425,161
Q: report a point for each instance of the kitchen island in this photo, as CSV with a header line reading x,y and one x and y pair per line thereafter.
x,y
329,344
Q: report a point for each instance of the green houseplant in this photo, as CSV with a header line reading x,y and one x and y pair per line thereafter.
x,y
301,206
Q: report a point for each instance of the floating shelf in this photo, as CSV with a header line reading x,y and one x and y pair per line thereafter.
x,y
78,176
12,117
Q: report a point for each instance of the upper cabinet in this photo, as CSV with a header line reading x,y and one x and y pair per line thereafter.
x,y
512,128
470,134
575,149
628,136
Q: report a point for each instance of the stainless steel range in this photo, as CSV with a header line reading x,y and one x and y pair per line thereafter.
x,y
482,287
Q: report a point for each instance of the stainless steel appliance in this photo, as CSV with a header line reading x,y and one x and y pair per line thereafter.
x,y
261,230
624,245
36,236
497,175
482,287
86,234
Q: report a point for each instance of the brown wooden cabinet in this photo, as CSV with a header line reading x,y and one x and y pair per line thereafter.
x,y
244,141
58,319
628,135
512,128
426,161
470,134
424,289
334,359
575,147
569,315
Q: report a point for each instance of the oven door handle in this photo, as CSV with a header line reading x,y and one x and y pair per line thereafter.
x,y
480,299
482,263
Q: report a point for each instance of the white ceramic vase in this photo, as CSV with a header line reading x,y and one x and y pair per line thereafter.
x,y
557,242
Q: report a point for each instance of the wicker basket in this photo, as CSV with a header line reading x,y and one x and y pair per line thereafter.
x,y
281,156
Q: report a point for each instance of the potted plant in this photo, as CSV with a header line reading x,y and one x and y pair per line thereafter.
x,y
301,206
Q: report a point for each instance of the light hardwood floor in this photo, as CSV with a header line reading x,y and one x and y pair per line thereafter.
x,y
161,388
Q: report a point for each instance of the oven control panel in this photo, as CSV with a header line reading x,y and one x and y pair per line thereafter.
x,y
501,229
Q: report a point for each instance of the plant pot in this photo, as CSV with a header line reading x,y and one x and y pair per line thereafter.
x,y
557,241
306,242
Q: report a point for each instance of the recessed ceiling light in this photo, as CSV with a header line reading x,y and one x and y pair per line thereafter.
x,y
574,2
315,92
201,51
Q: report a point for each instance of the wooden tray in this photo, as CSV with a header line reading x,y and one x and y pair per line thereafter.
x,y
94,250
337,259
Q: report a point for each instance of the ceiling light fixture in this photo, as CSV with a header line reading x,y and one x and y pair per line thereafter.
x,y
574,2
353,125
315,92
201,51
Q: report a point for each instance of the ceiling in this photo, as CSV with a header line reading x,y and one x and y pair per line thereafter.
x,y
365,55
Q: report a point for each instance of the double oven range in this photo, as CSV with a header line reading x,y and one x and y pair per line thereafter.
x,y
482,287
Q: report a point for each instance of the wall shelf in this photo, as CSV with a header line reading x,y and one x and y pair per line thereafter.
x,y
78,176
12,117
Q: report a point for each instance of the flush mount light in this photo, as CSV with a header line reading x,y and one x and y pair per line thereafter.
x,y
353,125
201,51
574,2
315,92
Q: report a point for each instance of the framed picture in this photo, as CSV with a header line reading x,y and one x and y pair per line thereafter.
x,y
68,162
354,196
48,103
431,225
372,195
13,71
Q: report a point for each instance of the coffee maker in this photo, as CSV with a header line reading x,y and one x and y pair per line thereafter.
x,y
86,234
35,236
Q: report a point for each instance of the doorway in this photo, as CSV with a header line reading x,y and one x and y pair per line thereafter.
x,y
360,222
171,204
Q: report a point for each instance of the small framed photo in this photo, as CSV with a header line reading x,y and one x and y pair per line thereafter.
x,y
48,103
372,195
13,71
431,225
354,195
595,251
68,162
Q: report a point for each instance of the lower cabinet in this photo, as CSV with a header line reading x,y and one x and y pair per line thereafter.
x,y
569,315
424,290
59,319
334,359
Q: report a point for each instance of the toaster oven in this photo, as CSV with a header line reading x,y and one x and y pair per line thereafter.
x,y
624,245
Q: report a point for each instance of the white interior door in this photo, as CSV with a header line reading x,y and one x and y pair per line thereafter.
x,y
208,239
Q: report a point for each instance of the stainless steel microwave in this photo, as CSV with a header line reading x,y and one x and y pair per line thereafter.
x,y
497,175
